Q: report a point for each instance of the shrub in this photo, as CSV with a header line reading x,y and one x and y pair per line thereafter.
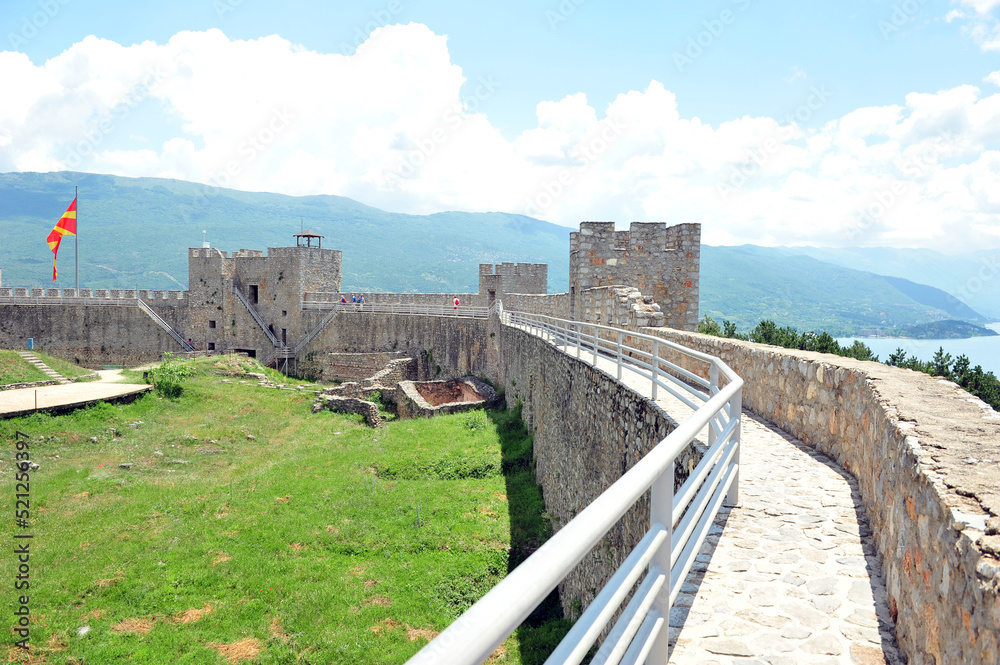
x,y
168,377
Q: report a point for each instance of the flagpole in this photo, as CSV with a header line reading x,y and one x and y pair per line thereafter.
x,y
76,244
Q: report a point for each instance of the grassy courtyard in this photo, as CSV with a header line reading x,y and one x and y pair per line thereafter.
x,y
244,528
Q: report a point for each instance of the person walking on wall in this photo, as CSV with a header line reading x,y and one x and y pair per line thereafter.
x,y
456,303
343,303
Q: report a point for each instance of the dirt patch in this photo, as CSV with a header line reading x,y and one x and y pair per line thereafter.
x,y
278,631
385,625
381,601
135,625
499,655
414,634
57,643
222,557
111,581
21,657
370,583
448,392
193,615
237,651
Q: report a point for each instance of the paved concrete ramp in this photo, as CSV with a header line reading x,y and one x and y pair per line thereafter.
x,y
21,402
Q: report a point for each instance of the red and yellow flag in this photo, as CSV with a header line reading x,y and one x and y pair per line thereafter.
x,y
66,226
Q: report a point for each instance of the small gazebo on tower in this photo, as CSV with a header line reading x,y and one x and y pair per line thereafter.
x,y
305,239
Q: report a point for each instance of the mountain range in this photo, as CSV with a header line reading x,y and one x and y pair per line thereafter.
x,y
134,232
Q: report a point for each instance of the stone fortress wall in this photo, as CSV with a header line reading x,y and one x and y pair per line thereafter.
x,y
588,430
91,335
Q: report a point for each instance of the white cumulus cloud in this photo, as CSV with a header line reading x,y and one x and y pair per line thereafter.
x,y
396,125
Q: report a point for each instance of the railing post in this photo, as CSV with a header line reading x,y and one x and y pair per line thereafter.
x,y
596,332
713,385
736,411
576,337
661,511
654,363
619,355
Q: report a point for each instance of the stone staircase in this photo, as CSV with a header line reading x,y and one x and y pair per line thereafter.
x,y
48,371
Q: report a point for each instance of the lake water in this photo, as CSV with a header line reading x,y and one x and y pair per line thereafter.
x,y
983,351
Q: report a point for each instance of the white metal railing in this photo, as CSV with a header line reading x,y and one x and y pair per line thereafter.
x,y
320,327
679,521
163,324
400,308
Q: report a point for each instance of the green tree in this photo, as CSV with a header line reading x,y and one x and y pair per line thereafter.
x,y
960,371
897,358
860,351
709,326
941,363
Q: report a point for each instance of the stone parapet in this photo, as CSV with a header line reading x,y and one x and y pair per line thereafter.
x,y
430,299
84,294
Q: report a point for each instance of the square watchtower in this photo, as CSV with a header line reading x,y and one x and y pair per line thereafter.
x,y
662,262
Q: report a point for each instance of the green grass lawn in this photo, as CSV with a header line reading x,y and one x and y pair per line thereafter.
x,y
15,369
318,540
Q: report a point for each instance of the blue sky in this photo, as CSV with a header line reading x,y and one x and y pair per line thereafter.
x,y
731,74
542,51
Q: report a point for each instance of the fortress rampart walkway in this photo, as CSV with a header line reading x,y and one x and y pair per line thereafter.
x,y
790,575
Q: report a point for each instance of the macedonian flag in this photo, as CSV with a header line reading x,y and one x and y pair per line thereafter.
x,y
65,226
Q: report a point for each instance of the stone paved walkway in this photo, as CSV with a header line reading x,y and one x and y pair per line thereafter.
x,y
789,577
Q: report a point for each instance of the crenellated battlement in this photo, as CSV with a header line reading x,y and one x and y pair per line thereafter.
x,y
84,296
508,277
661,261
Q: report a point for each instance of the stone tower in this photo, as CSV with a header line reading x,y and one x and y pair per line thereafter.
x,y
662,262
